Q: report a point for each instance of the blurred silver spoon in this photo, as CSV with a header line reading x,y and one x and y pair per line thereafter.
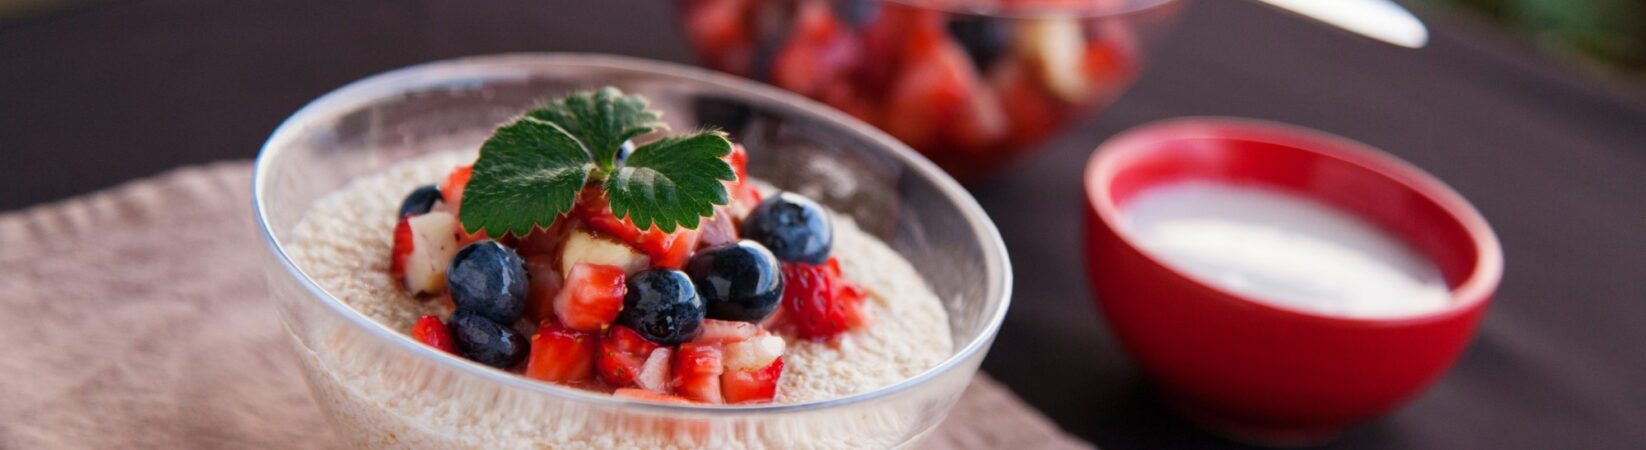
x,y
1382,20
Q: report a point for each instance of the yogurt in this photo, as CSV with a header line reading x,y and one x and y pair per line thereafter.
x,y
1286,250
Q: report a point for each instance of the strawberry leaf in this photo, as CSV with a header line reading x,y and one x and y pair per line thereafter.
x,y
674,181
601,119
528,174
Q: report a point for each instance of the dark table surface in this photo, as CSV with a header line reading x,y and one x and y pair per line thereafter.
x,y
111,90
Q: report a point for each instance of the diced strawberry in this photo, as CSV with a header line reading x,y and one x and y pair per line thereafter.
x,y
562,355
623,353
584,247
669,250
697,370
753,385
402,248
543,285
820,52
719,30
717,229
718,332
654,374
818,302
591,298
938,102
429,330
451,189
642,394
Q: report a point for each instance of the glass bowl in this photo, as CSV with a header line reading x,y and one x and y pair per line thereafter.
x,y
969,83
382,389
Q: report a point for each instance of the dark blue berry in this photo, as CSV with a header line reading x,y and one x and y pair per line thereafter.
x,y
856,13
662,306
983,38
793,227
738,281
485,341
420,201
624,150
488,279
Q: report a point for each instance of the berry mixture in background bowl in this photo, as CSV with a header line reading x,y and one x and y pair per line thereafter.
x,y
579,273
971,84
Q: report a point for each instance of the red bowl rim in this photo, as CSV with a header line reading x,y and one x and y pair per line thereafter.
x,y
1475,290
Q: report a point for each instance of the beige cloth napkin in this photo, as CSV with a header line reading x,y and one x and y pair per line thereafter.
x,y
136,317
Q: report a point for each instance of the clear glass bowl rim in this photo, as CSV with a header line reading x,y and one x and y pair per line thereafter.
x,y
362,92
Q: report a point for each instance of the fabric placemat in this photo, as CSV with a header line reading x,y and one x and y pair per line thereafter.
x,y
137,317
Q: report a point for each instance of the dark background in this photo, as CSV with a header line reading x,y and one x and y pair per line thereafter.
x,y
103,92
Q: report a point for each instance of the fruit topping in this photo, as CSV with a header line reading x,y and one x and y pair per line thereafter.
x,y
451,189
542,286
423,246
419,201
488,279
697,370
591,297
755,352
654,374
817,302
738,281
584,248
485,341
793,227
720,332
663,249
1057,48
562,355
430,331
757,385
662,306
623,355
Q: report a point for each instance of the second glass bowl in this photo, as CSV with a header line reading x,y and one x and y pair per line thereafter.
x,y
969,83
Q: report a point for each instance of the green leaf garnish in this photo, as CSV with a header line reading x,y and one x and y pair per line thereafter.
x,y
601,120
674,180
531,171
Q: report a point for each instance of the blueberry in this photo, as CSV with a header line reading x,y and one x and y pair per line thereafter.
x,y
624,150
488,279
485,341
738,281
662,306
793,227
856,13
983,38
420,201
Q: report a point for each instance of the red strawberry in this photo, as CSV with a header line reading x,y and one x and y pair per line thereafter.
x,y
591,298
429,330
451,189
654,374
542,287
669,250
818,302
719,332
402,248
561,355
642,394
697,370
623,353
819,53
751,386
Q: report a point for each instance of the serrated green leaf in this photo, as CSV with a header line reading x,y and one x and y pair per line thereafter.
x,y
672,182
528,174
601,119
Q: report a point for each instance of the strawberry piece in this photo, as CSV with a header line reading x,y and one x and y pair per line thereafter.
x,y
402,248
591,298
623,353
819,54
543,285
654,373
642,394
429,330
561,355
753,353
670,250
818,302
751,386
697,369
938,103
719,31
451,189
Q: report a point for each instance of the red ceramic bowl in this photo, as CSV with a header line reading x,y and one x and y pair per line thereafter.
x,y
1258,372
